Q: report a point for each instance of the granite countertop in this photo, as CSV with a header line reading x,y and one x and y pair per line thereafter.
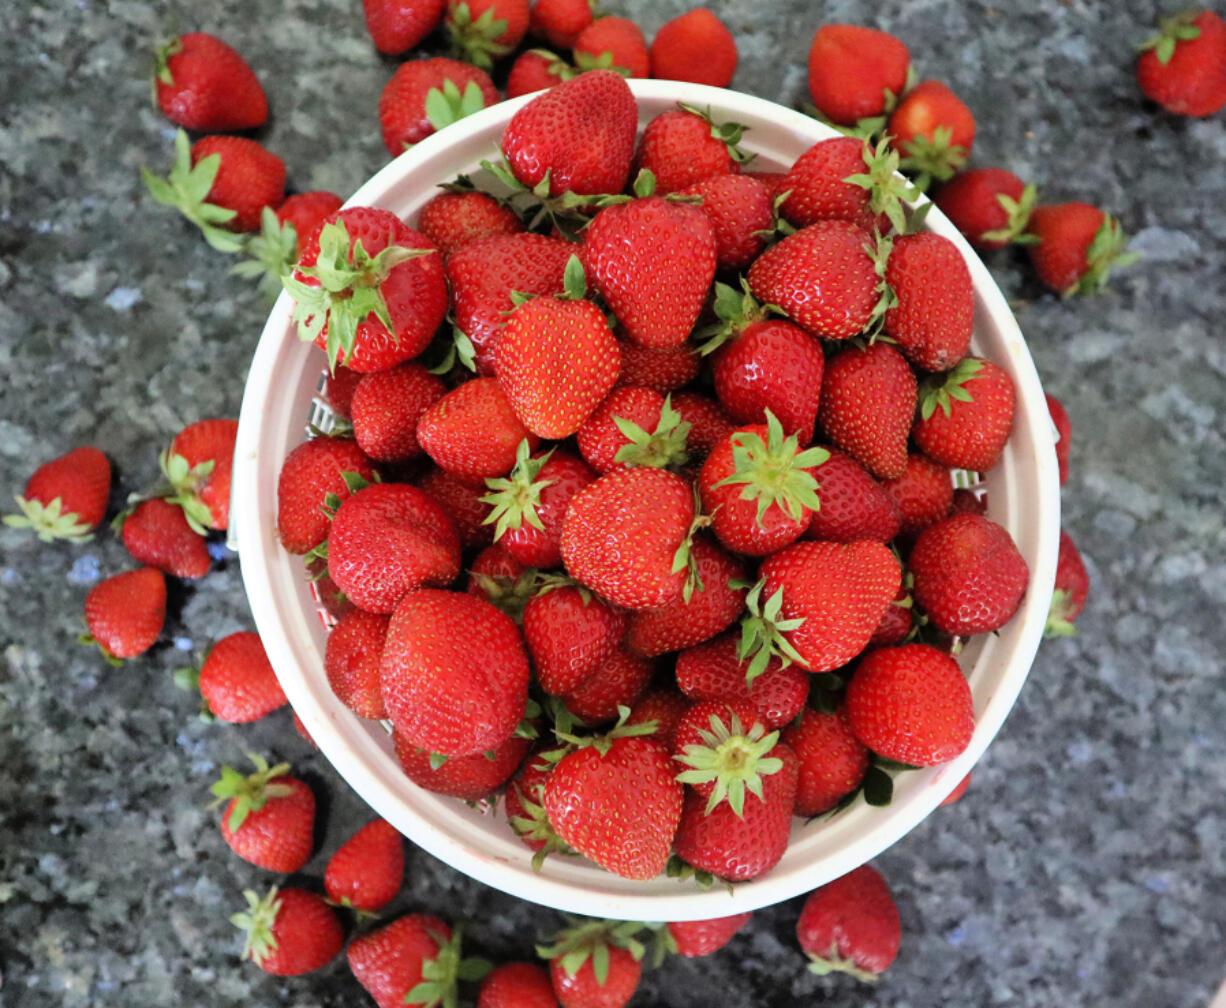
x,y
1085,864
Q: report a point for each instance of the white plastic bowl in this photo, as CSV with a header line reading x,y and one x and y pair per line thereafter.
x,y
1023,495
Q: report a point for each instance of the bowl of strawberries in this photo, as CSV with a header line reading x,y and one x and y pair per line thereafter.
x,y
658,520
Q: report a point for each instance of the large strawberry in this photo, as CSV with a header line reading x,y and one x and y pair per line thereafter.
x,y
934,130
966,415
855,72
367,870
386,406
854,505
684,145
65,498
1183,67
867,405
414,961
714,670
1071,588
396,26
851,925
310,474
205,85
570,633
423,96
934,312
269,817
990,206
290,931
846,178
694,46
1075,246
237,679
634,426
156,533
595,963
125,612
473,431
832,760
352,656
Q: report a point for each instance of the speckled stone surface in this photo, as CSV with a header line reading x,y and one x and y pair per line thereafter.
x,y
1086,864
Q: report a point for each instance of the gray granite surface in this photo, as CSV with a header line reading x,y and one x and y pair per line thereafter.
x,y
1087,864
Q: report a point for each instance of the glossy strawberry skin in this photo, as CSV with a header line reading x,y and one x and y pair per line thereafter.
x,y
461,498
678,148
852,919
832,760
854,505
339,386
307,932
851,68
663,706
618,682
279,836
739,208
923,494
713,671
396,26
664,370
80,479
249,178
473,431
582,990
600,438
517,984
125,612
970,201
1193,81
570,637
694,46
469,778
1065,232
974,433
402,105
156,533
709,423
210,440
307,211
935,314
352,655
310,473
212,88
928,106
367,870
868,401
702,937
622,39
238,681
452,220
560,21
386,407
542,548
388,962
818,186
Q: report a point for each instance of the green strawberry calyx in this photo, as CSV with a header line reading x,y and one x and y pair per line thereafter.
x,y
1171,31
603,742
186,188
887,190
729,134
1058,622
161,60
775,472
1107,249
257,921
89,640
1017,214
533,827
251,793
558,67
271,254
447,105
935,157
183,483
49,520
475,40
662,448
764,634
510,594
585,61
591,939
879,252
736,311
514,498
441,973
733,758
833,962
683,558
939,391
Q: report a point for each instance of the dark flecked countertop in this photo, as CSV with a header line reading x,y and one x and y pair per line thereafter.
x,y
1085,866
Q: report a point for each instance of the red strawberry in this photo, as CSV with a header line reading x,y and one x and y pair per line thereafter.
x,y
66,497
935,310
897,622
1071,588
702,937
739,208
969,575
773,180
1183,67
366,871
851,925
469,778
501,580
664,707
396,26
613,43
388,539
923,494
709,424
580,133
414,961
725,751
156,533
386,407
455,673
832,760
933,130
289,932
526,814
273,253
238,681
595,964
124,613
1064,434
714,671
967,500
570,634
204,85
473,432
854,505
198,467
561,21
484,30
339,386
518,984
855,72
911,704
452,220
270,817
845,178
868,401
694,46
634,426
425,95
306,212
966,415
537,70
990,206
684,146
352,656
615,685
310,474
1077,244
461,499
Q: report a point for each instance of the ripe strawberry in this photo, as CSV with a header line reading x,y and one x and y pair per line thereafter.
x,y
580,134
455,673
197,466
502,581
613,43
366,871
289,932
339,386
595,964
911,704
473,432
854,505
851,925
537,70
773,180
702,937
846,178
156,533
270,817
352,655
386,407
868,401
452,220
740,209
66,497
1077,244
652,261
709,424
713,670
461,499
124,613
273,253
237,679
856,72
1071,588
990,206
469,778
415,961
311,473
570,634
526,814
560,21
966,415
898,620
616,684
923,494
396,26
247,179
625,536
205,85
664,707
685,145
694,46
484,30
823,277
423,96
1064,434
832,760
1183,67
933,130
969,575
518,984
726,751
634,426
388,539
614,800
935,310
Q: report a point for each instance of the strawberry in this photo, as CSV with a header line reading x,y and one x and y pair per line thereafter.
x,y
415,961
613,43
1183,67
851,925
526,815
1071,588
709,424
614,686
966,415
518,984
832,760
685,145
773,180
469,778
388,539
726,751
203,84
473,432
634,426
197,468
856,72
352,655
911,704
396,26
966,500
461,499
1064,434
386,407
702,937
237,679
823,277
868,401
561,21
455,673
1076,246
366,871
452,220
614,800
65,498
580,134
310,475
503,581
652,261
339,386
694,46
269,819
854,505
425,95
595,964
846,178
990,206
537,70
740,210
156,533
625,536
570,634
714,671
484,30
969,575
289,932
664,707
933,130
934,314
897,623
923,494
273,253
125,612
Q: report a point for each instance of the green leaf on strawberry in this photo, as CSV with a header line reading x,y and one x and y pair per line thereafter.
x,y
1171,31
888,190
450,105
514,498
257,921
49,520
934,157
775,471
474,40
250,793
186,188
271,254
729,133
1018,217
1105,251
939,391
762,633
733,759
662,448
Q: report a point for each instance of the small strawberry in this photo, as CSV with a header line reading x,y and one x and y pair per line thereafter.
x,y
934,312
396,26
851,925
685,145
415,961
615,685
740,210
289,932
714,670
452,220
695,46
561,21
367,870
1071,588
966,415
634,426
311,474
197,469
1076,246
570,633
469,778
156,533
846,178
461,499
473,431
237,679
1064,434
518,984
1183,67
270,817
595,963
502,581
898,622
65,498
613,43
832,760
273,252
352,655
537,70
933,130
425,95
339,386
868,401
923,494
855,72
665,708
124,613
702,937
854,505
484,30
386,407
205,85
990,206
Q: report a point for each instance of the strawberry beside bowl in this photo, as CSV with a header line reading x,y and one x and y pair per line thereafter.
x,y
1022,492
